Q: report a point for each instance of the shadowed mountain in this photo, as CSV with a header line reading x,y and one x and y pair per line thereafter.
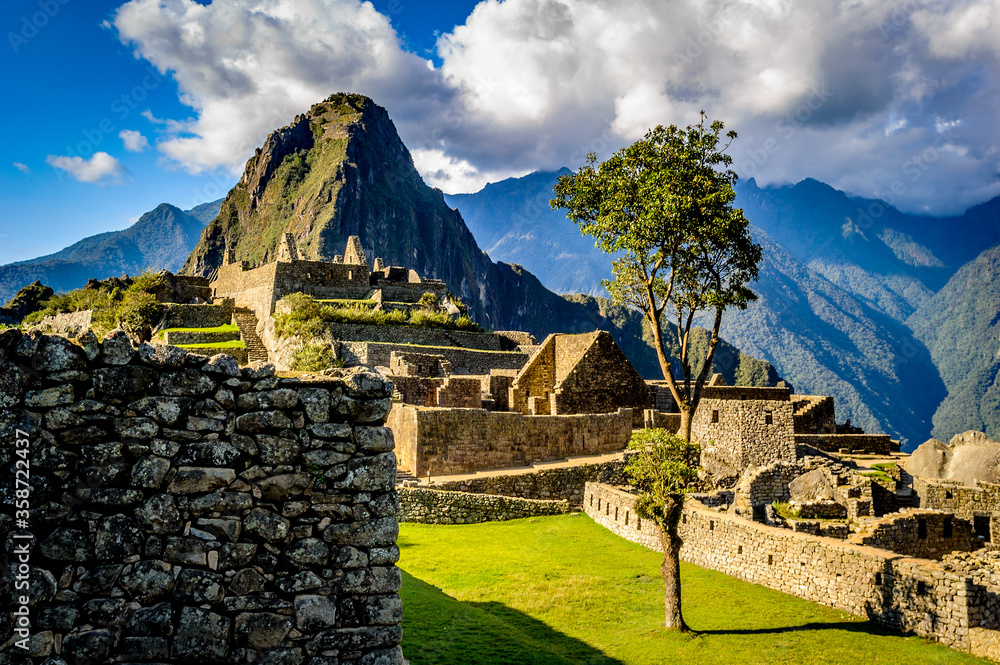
x,y
161,239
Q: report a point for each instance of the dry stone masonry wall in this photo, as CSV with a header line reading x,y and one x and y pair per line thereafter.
x,y
907,594
185,510
437,507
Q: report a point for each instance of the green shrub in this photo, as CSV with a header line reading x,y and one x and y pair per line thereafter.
x,y
430,302
304,318
139,310
315,357
785,510
147,282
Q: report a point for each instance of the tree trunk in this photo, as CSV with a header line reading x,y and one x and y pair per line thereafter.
x,y
671,570
686,419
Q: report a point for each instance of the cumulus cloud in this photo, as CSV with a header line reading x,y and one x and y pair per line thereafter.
x,y
101,169
894,99
23,168
134,141
249,66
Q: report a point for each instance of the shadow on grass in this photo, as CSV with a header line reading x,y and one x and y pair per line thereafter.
x,y
867,627
437,629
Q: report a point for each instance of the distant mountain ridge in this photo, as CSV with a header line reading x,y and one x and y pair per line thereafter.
x,y
840,279
161,239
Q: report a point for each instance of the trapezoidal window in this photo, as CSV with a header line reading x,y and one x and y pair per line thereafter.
x,y
922,528
981,526
768,418
715,415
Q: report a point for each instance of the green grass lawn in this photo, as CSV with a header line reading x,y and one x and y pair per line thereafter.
x,y
565,590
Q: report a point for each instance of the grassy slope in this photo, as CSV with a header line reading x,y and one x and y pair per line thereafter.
x,y
565,590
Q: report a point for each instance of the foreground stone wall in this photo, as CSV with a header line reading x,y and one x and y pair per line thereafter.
x,y
455,441
907,594
436,507
185,510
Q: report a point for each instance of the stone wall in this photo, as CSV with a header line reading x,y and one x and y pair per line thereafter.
x,y
653,419
430,506
871,444
904,593
409,335
927,534
463,361
561,483
456,441
737,433
67,323
814,414
253,289
197,316
185,510
979,505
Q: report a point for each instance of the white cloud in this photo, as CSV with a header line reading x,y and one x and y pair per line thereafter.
x,y
249,66
102,168
23,168
134,141
848,92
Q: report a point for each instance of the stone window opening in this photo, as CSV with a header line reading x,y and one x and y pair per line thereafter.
x,y
946,528
739,549
715,415
922,528
616,513
591,500
878,579
947,494
711,525
921,588
768,418
626,518
638,524
770,559
684,519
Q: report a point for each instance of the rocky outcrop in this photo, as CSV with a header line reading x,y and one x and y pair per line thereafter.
x,y
968,457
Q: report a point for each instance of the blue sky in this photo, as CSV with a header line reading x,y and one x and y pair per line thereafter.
x,y
115,107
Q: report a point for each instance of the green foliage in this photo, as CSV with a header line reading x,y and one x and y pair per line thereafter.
x,y
430,302
103,303
297,168
664,206
307,316
786,511
315,356
662,466
147,282
139,310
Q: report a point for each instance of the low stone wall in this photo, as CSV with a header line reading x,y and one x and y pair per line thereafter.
x,y
927,534
653,419
452,441
463,361
563,483
866,444
67,323
198,316
907,594
239,354
437,507
178,337
186,511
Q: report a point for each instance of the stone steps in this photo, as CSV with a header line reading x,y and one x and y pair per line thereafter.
x,y
246,320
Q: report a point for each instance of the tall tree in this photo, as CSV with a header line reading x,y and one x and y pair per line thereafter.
x,y
664,467
664,206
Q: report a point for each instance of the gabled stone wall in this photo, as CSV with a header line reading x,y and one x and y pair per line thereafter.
x,y
187,511
737,433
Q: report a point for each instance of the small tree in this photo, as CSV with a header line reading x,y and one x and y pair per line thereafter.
x,y
664,205
664,467
139,313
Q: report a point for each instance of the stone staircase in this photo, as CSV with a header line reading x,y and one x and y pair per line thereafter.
x,y
246,321
403,476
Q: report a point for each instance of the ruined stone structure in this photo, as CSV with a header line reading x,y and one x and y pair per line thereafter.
x,y
349,277
185,510
908,594
927,534
979,504
585,373
453,441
